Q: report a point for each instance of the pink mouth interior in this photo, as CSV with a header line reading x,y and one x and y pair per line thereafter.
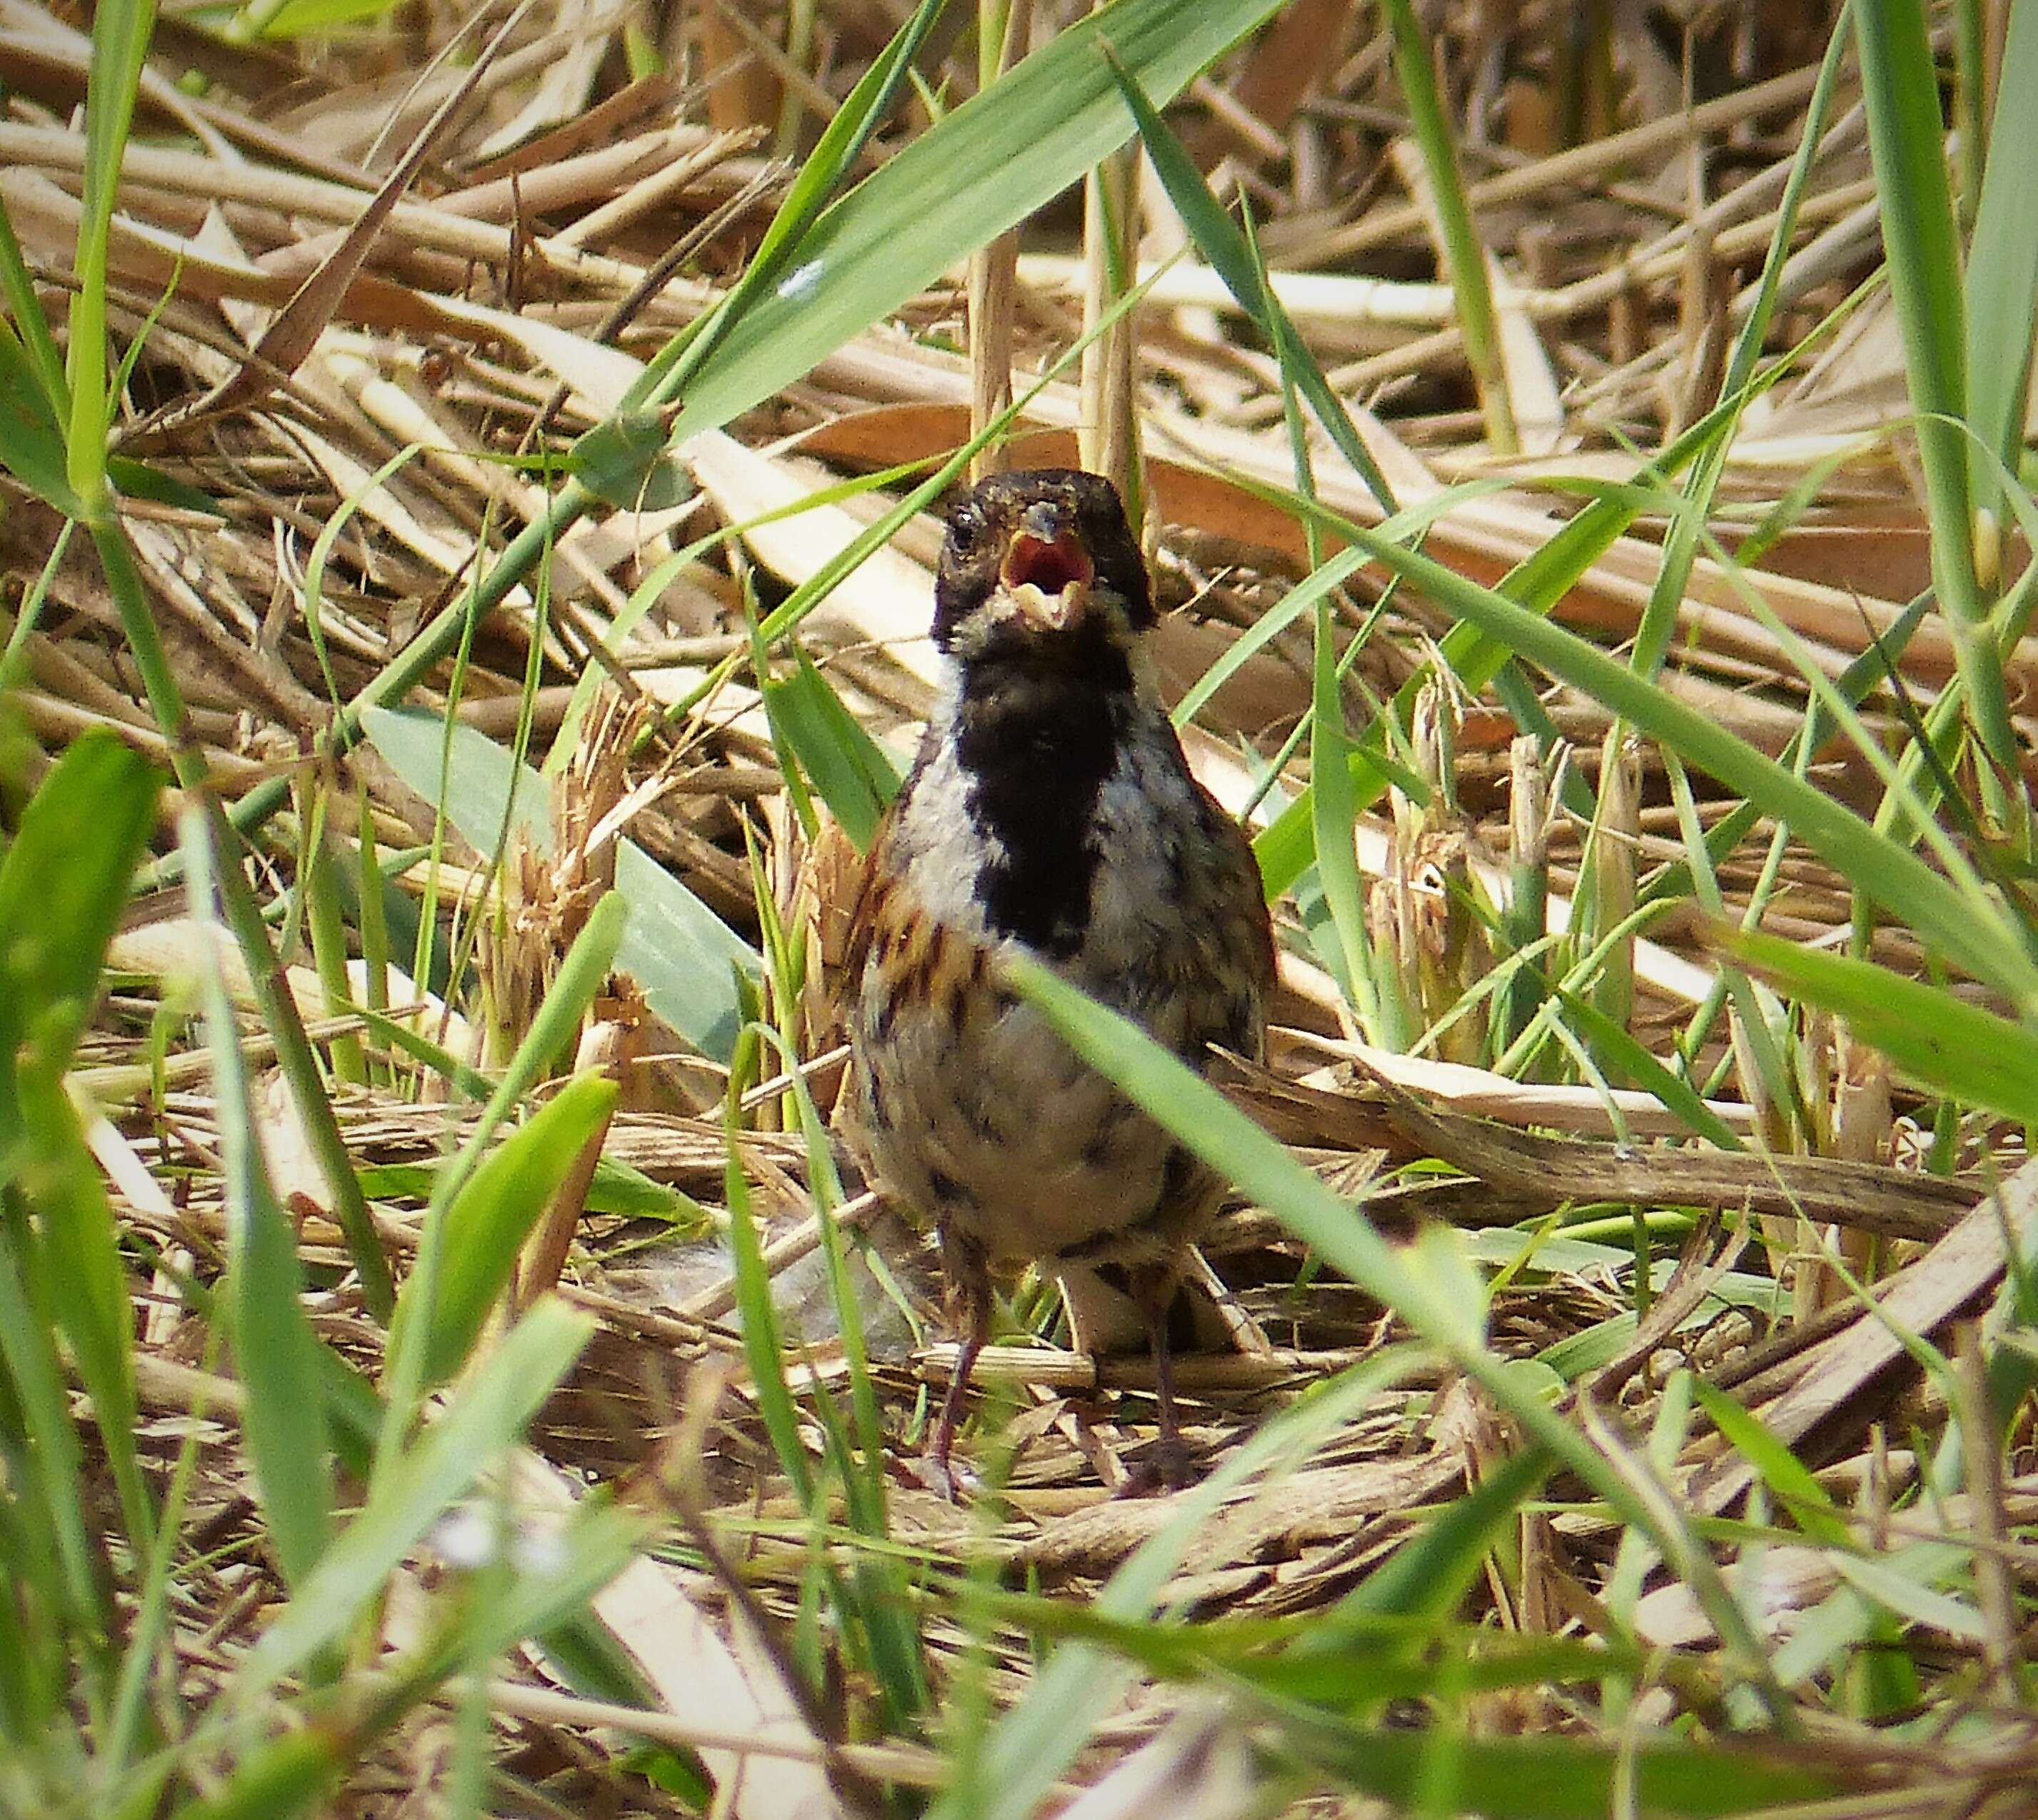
x,y
1051,567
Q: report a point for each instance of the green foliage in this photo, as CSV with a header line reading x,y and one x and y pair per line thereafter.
x,y
989,164
485,1224
683,954
88,1716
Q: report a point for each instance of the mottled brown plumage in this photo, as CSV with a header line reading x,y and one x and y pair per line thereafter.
x,y
1051,813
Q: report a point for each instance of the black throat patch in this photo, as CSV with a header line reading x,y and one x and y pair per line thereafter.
x,y
1037,745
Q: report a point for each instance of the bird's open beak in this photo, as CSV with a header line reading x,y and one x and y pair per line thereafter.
x,y
1047,570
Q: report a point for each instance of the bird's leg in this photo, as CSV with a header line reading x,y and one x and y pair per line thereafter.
x,y
968,1273
1171,1463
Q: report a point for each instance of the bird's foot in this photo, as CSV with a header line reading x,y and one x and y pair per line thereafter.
x,y
1170,1463
944,1476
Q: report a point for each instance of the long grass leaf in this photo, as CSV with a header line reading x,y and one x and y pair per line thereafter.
x,y
407,1364
488,1221
2003,269
120,33
989,164
1935,1038
1415,68
1972,934
275,1351
1222,243
1693,507
485,1417
1900,86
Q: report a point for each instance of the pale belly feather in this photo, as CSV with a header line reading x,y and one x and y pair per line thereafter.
x,y
973,1111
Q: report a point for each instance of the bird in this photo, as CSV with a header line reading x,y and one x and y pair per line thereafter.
x,y
1049,813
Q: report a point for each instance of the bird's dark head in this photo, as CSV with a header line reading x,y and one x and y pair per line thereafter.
x,y
1040,568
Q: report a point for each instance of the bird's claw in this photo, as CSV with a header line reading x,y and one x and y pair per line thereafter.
x,y
1169,1464
943,1477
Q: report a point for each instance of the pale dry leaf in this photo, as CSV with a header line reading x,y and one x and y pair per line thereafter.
x,y
699,1675
1200,1768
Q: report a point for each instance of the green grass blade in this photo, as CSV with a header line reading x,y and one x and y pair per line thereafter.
x,y
485,1417
414,1346
1376,998
763,1346
276,1352
1899,85
991,162
854,774
488,1220
1936,1039
24,310
1225,247
31,439
1787,1476
1694,506
1429,1573
120,32
1972,934
1415,69
61,895
819,176
57,1578
2003,269
60,899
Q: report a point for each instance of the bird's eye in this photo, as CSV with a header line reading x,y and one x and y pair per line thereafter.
x,y
966,529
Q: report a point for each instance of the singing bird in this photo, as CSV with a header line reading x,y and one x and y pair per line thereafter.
x,y
1051,814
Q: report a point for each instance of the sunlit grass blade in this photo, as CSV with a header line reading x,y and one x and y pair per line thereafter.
x,y
1787,1476
814,182
1936,1039
855,775
1428,1574
485,1417
275,1351
1968,932
1899,85
487,1222
989,164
